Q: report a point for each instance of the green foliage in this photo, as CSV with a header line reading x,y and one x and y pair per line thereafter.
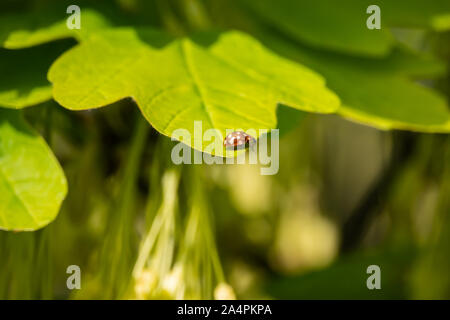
x,y
32,184
226,80
378,93
25,82
326,24
384,100
234,64
47,22
30,29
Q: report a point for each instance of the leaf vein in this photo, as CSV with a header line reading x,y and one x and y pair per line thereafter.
x,y
185,52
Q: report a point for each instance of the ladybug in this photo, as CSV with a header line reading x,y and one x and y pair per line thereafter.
x,y
237,139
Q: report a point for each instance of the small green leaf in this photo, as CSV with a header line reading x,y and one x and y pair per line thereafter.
x,y
228,80
46,24
32,184
24,81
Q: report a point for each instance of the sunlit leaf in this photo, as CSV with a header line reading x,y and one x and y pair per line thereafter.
x,y
32,184
227,80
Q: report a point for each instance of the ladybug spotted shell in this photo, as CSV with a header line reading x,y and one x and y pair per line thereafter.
x,y
237,139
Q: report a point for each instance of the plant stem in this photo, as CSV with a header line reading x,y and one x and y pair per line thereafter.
x,y
48,124
117,252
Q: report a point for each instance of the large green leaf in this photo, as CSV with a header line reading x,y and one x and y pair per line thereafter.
x,y
23,82
32,184
228,80
328,24
376,92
